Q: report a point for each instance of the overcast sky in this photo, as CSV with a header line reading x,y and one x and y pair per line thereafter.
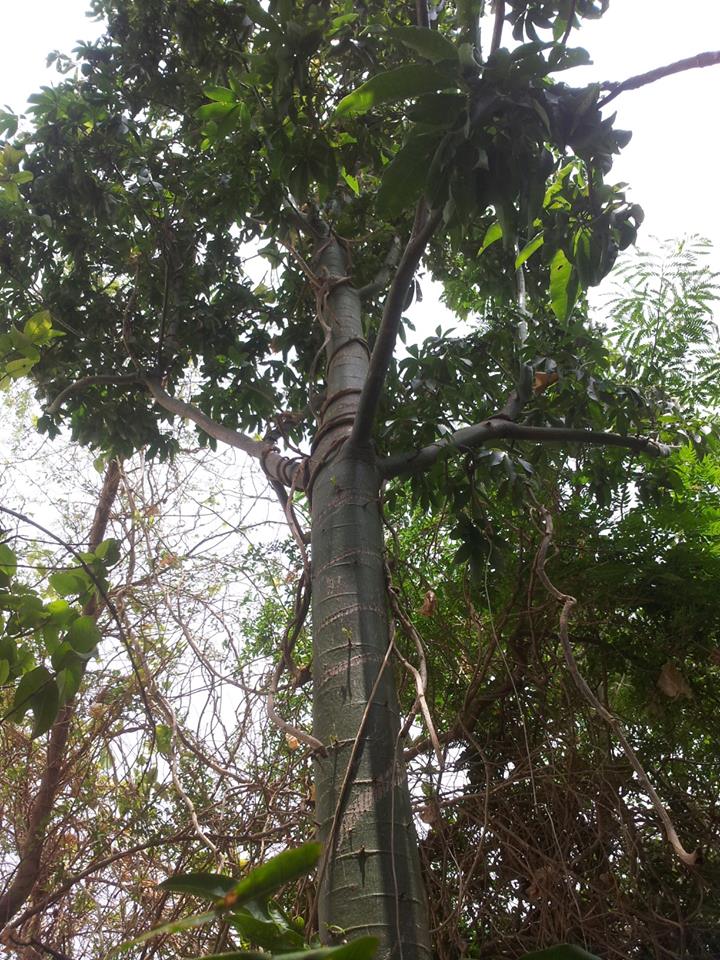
x,y
671,162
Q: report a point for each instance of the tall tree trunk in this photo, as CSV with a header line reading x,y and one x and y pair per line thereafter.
x,y
371,881
30,849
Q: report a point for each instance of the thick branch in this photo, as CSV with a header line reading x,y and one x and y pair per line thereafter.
x,y
280,468
708,59
389,326
468,438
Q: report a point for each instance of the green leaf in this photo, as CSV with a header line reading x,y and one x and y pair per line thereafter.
x,y
44,704
402,83
529,249
220,94
83,635
4,671
39,327
30,684
284,868
68,584
563,285
361,949
428,43
493,234
163,736
563,951
273,934
19,368
109,552
212,886
174,926
8,560
24,345
404,178
215,111
68,682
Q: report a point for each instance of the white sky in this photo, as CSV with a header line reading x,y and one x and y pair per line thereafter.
x,y
671,162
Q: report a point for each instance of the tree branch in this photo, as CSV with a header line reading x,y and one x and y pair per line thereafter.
x,y
124,379
708,59
495,428
382,277
389,325
280,468
497,26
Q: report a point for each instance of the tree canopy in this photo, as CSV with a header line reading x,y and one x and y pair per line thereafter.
x,y
503,535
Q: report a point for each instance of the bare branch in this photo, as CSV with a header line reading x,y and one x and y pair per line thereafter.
x,y
389,325
280,468
708,59
496,428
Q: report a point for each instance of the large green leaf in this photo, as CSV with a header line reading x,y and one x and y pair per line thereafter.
x,y
269,877
402,83
404,178
8,560
83,635
32,682
563,285
211,886
269,932
44,705
428,43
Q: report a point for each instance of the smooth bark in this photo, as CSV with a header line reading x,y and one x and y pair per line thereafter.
x,y
370,880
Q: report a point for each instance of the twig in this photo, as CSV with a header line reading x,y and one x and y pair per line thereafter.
x,y
419,676
568,603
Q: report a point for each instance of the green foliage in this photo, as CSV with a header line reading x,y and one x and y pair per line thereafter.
x,y
45,644
152,179
258,922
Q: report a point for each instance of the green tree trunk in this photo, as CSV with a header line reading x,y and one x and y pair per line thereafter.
x,y
371,881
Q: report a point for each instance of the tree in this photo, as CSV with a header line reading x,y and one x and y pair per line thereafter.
x,y
345,147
